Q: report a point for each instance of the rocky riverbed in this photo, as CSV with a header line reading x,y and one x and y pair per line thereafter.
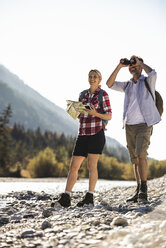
x,y
27,220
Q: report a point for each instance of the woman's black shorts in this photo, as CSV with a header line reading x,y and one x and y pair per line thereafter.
x,y
89,144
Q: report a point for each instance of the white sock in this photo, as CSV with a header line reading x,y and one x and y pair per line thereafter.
x,y
90,192
67,192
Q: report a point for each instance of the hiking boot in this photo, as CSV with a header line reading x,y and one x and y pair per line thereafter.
x,y
134,198
64,201
88,200
142,196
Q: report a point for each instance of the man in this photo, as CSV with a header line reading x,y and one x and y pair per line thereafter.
x,y
140,114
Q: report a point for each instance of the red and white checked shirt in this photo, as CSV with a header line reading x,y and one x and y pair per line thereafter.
x,y
90,125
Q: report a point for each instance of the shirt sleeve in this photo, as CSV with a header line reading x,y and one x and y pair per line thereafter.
x,y
106,103
152,76
119,86
151,79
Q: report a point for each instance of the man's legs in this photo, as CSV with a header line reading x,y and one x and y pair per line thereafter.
x,y
143,172
131,145
137,177
138,140
136,173
140,172
143,167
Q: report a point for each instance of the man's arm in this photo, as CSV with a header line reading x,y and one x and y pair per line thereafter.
x,y
113,76
146,68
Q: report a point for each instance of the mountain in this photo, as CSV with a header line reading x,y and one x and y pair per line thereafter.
x,y
32,110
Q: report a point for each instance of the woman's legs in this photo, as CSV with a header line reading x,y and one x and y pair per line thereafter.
x,y
93,176
93,172
76,162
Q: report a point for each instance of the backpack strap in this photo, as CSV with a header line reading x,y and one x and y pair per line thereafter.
x,y
83,94
100,97
148,88
126,85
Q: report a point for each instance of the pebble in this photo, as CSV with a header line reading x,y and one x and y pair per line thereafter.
x,y
119,221
27,220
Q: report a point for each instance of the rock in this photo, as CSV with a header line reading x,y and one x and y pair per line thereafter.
x,y
29,215
15,218
27,220
46,213
45,225
27,233
119,221
4,219
104,203
163,226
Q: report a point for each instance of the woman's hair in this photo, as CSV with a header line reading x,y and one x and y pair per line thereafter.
x,y
97,72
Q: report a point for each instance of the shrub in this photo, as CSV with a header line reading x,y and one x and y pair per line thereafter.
x,y
43,165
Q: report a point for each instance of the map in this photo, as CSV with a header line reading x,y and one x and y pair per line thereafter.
x,y
74,109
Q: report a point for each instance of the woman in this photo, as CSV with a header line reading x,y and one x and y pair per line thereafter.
x,y
90,140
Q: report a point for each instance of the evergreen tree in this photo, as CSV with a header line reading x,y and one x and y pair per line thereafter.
x,y
5,140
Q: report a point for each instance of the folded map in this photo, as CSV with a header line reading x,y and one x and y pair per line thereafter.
x,y
74,109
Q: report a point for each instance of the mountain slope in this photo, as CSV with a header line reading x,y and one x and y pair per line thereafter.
x,y
32,110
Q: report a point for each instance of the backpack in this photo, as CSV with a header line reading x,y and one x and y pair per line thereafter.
x,y
100,97
159,100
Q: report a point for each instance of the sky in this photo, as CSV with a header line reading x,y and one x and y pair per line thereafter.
x,y
53,44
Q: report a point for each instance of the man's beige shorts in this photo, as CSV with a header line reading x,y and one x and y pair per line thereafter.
x,y
138,140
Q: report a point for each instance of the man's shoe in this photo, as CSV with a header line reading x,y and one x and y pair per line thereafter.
x,y
64,201
88,200
142,196
134,198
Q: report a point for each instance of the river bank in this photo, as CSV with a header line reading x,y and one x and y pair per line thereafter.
x,y
27,220
55,185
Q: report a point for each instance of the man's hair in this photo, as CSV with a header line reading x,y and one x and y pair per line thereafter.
x,y
137,57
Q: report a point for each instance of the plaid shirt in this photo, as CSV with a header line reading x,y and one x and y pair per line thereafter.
x,y
90,125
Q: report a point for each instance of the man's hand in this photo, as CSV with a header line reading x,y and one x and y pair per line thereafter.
x,y
122,62
138,61
145,67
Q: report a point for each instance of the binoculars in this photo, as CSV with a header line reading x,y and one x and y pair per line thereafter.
x,y
129,62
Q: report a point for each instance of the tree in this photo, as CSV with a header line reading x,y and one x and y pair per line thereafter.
x,y
44,164
5,140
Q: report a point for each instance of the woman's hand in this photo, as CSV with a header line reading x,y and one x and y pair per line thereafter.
x,y
92,110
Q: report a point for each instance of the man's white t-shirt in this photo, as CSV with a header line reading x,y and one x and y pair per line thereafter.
x,y
134,115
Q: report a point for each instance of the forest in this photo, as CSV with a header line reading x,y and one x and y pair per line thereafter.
x,y
32,153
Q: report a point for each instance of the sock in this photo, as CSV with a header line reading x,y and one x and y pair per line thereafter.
x,y
67,192
144,186
143,182
138,187
90,192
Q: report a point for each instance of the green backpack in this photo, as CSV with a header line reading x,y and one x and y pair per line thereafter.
x,y
159,100
100,97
